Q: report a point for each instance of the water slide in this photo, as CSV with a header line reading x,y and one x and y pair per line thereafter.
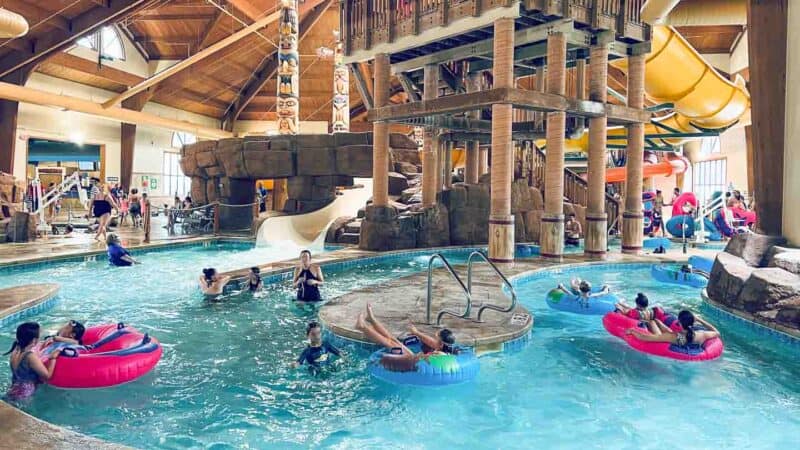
x,y
308,230
702,98
664,168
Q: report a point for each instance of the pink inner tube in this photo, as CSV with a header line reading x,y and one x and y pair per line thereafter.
x,y
111,355
686,197
616,323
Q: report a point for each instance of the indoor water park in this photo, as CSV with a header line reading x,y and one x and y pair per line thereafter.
x,y
399,224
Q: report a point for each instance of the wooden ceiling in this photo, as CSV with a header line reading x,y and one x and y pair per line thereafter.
x,y
237,81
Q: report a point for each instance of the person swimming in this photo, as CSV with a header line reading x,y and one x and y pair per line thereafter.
x,y
254,281
400,358
211,283
307,279
27,370
688,336
117,254
582,289
318,350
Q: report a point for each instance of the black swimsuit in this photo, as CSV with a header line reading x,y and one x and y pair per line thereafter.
x,y
306,292
101,207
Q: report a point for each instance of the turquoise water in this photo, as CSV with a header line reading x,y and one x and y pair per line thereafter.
x,y
225,380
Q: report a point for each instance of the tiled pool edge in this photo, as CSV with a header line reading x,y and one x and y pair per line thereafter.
x,y
750,322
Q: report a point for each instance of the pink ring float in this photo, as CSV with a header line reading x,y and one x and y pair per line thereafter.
x,y
616,323
112,354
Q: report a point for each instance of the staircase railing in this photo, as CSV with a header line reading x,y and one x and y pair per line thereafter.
x,y
464,289
483,308
576,189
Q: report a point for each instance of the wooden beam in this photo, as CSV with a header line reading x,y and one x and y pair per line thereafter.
x,y
199,56
171,17
128,137
82,25
450,79
92,68
218,18
16,93
520,98
409,87
247,8
313,10
361,85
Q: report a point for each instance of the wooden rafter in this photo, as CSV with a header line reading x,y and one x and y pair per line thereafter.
x,y
44,45
313,9
218,18
247,8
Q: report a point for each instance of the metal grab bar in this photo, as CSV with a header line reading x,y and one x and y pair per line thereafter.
x,y
453,274
502,277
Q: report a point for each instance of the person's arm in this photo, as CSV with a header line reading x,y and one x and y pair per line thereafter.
x,y
65,340
203,283
426,339
622,307
224,280
129,258
603,291
662,327
302,358
578,228
320,278
664,337
44,372
331,349
296,279
563,289
711,333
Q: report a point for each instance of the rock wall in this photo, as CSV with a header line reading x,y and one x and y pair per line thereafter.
x,y
757,275
15,225
314,164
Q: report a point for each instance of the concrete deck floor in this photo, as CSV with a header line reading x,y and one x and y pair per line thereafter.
x,y
17,298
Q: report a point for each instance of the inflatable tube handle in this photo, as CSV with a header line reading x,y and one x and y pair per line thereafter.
x,y
146,339
69,352
120,325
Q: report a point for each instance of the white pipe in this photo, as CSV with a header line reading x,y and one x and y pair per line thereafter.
x,y
655,12
708,12
12,25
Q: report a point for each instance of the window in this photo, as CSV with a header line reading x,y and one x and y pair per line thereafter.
x,y
180,138
108,38
709,146
175,183
709,177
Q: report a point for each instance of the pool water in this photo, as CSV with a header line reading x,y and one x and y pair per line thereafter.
x,y
225,379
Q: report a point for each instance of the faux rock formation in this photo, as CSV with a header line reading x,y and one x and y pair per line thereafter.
x,y
756,275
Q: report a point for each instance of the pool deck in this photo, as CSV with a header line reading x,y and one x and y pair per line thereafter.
x,y
18,298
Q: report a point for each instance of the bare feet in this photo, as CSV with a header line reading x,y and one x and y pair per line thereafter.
x,y
360,324
370,315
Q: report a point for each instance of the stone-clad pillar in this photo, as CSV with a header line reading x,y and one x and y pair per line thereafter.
x,y
632,218
552,231
288,104
472,148
380,130
501,222
431,140
447,171
596,217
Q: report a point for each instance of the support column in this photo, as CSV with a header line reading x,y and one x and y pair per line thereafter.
x,y
552,231
380,131
9,111
596,242
472,148
483,160
791,156
501,222
127,148
439,165
280,193
431,140
448,165
632,218
538,117
340,116
288,104
767,34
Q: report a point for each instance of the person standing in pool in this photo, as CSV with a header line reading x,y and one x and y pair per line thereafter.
x,y
572,231
117,254
307,279
318,351
27,370
211,283
254,282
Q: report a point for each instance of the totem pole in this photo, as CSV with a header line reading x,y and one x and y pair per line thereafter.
x,y
341,89
288,106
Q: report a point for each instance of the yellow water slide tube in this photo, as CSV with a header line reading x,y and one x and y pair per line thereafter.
x,y
675,73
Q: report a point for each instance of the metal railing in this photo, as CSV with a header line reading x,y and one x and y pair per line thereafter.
x,y
502,277
455,276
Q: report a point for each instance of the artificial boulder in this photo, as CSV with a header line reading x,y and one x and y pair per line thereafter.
x,y
397,183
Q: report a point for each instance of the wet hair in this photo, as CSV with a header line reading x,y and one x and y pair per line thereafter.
x,y
68,229
26,333
448,340
209,274
77,330
686,319
658,191
641,300
134,191
255,270
305,251
311,326
585,287
677,190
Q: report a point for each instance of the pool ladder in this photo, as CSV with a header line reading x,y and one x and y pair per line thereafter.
x,y
466,289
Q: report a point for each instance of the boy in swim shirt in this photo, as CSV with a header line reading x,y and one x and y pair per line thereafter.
x,y
317,352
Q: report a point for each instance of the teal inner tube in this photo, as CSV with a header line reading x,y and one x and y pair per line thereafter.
x,y
433,370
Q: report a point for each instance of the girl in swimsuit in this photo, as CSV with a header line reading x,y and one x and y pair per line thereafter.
x,y
211,283
307,279
101,206
400,358
689,335
254,282
640,312
583,289
135,207
27,370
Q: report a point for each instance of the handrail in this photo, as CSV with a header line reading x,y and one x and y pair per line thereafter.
x,y
502,277
453,274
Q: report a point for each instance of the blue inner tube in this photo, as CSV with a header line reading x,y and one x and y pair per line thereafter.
x,y
595,306
673,274
710,228
436,370
655,242
677,223
704,264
